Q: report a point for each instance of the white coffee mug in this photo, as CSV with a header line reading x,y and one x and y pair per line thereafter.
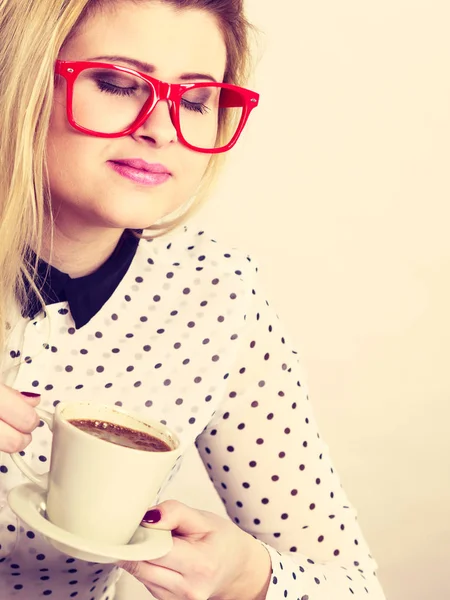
x,y
95,488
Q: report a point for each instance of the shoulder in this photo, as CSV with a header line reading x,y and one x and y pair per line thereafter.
x,y
200,254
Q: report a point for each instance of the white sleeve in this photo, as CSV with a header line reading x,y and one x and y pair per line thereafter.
x,y
274,474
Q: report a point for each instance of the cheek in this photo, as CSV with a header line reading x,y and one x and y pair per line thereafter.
x,y
59,139
68,151
71,166
193,168
64,157
58,119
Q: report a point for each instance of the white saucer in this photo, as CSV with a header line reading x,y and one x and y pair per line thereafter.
x,y
28,502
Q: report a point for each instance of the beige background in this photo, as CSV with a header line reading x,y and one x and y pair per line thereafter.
x,y
341,192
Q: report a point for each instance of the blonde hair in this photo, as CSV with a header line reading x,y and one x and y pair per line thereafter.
x,y
32,34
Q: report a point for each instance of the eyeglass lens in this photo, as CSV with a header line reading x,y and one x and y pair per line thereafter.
x,y
109,101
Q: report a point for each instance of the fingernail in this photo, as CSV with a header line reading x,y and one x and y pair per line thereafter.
x,y
30,394
152,516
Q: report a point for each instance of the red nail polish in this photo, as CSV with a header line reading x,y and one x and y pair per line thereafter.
x,y
152,516
30,394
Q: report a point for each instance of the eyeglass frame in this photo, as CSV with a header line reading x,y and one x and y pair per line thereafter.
x,y
171,92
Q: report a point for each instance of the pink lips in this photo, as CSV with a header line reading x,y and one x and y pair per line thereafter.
x,y
140,171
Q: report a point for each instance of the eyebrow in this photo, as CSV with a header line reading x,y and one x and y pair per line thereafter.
x,y
148,68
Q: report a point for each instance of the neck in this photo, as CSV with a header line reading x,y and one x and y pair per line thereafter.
x,y
78,252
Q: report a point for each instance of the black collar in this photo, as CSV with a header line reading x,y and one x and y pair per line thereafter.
x,y
85,295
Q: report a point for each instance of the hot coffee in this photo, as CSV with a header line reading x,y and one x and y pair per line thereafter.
x,y
101,463
122,436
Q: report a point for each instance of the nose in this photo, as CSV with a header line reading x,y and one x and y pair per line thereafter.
x,y
158,127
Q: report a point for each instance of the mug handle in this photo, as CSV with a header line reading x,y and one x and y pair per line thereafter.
x,y
39,479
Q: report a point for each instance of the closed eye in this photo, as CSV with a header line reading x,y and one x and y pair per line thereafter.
x,y
109,88
195,106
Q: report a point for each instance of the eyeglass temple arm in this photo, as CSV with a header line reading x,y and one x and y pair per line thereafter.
x,y
231,99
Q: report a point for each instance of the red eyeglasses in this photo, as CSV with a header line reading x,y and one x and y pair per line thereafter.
x,y
107,100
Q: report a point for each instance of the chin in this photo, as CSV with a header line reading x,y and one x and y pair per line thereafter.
x,y
129,219
129,223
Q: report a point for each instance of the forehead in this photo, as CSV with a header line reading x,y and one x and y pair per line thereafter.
x,y
174,41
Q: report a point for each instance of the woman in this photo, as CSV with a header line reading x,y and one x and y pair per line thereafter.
x,y
97,153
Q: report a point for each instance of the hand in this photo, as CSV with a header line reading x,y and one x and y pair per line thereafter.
x,y
18,419
211,558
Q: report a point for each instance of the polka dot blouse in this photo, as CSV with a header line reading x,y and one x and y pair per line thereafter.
x,y
188,338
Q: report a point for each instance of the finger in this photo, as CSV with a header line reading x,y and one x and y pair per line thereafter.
x,y
30,398
12,440
16,412
164,584
150,575
177,517
185,558
160,593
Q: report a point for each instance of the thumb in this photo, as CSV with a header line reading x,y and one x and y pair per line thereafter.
x,y
31,398
177,517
